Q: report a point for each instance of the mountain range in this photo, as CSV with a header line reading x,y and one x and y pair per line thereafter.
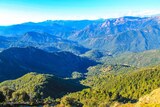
x,y
42,41
116,60
49,43
116,35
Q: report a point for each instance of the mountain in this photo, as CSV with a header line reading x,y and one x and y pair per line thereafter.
x,y
95,54
116,35
121,34
104,72
5,42
138,59
59,28
49,43
36,87
124,88
15,62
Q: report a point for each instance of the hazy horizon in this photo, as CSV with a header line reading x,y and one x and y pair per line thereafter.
x,y
75,19
21,11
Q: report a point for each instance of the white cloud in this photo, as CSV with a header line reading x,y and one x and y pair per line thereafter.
x,y
8,17
143,13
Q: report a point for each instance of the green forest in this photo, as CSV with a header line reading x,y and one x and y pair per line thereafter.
x,y
114,84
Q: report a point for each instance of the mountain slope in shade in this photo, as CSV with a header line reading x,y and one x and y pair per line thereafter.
x,y
15,62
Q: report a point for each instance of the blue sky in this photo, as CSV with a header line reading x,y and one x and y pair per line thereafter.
x,y
18,11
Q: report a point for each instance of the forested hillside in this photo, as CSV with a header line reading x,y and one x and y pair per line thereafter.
x,y
123,88
36,88
137,59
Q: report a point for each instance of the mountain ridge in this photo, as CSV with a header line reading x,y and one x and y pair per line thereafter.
x,y
117,35
15,62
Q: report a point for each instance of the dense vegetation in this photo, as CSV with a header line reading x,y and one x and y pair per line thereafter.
x,y
97,74
94,54
136,59
140,59
122,88
108,85
36,88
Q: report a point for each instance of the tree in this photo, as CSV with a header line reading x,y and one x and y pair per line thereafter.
x,y
2,97
70,102
76,75
7,92
20,97
48,100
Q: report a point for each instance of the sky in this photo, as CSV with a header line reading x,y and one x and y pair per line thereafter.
x,y
19,11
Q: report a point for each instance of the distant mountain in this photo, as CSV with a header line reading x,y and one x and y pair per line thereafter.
x,y
59,28
121,34
116,35
49,43
15,62
5,42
